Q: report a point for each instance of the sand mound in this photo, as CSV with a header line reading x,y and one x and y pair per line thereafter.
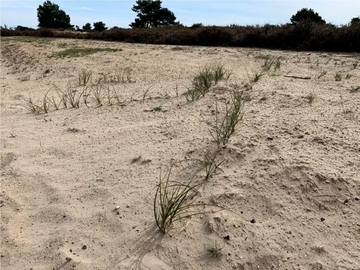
x,y
78,184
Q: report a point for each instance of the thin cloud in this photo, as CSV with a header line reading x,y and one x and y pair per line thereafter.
x,y
83,8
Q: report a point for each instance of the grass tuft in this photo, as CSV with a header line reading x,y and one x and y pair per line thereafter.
x,y
215,251
207,77
210,163
84,77
337,77
355,89
272,61
225,125
173,200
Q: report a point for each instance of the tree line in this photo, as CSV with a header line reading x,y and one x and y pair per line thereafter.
x,y
306,31
150,14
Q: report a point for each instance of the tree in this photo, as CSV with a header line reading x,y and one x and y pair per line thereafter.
x,y
51,16
306,15
87,27
151,14
99,26
355,21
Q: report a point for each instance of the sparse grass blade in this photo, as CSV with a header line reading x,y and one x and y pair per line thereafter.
x,y
337,77
98,92
355,89
32,107
215,251
257,77
220,73
46,102
73,96
210,163
225,125
322,74
84,77
173,201
202,82
272,61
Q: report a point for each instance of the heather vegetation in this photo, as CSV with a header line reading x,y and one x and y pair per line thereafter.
x,y
307,30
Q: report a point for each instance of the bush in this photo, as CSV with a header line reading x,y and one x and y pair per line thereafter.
x,y
46,33
303,36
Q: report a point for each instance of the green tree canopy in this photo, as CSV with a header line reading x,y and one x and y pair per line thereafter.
x,y
151,14
87,27
355,21
99,26
51,16
306,15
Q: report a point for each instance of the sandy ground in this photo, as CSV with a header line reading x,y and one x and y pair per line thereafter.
x,y
78,185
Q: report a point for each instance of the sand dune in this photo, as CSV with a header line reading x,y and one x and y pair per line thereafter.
x,y
78,185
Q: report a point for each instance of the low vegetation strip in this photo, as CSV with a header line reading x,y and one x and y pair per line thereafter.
x,y
306,37
77,52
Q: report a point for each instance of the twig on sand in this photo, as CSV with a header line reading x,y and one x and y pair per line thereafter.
x,y
297,77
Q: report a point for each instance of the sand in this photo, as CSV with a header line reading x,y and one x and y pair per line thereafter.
x,y
78,185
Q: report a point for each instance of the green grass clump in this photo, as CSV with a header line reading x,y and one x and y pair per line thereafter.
x,y
202,82
78,52
173,201
273,61
257,77
210,163
215,251
337,77
225,125
355,89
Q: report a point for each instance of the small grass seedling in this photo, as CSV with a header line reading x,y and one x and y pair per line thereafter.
x,y
147,90
225,125
84,77
210,163
337,77
322,73
257,77
355,89
310,98
220,73
215,251
157,109
252,79
272,61
32,107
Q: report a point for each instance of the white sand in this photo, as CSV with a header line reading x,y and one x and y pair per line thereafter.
x,y
292,166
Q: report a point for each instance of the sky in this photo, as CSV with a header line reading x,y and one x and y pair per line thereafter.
x,y
211,12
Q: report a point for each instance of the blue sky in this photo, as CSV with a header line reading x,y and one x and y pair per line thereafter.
x,y
210,12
